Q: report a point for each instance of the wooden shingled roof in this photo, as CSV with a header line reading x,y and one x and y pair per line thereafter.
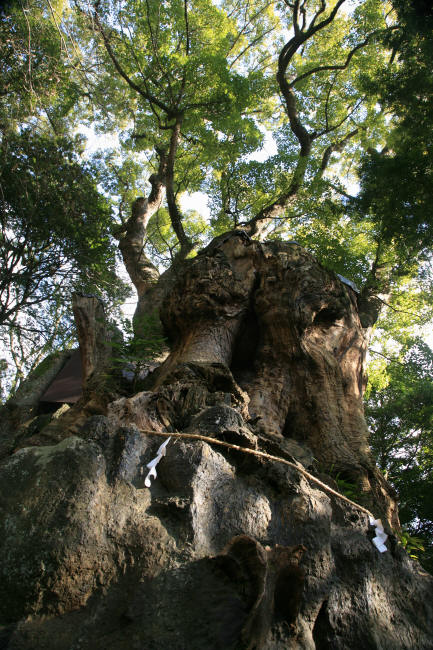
x,y
66,387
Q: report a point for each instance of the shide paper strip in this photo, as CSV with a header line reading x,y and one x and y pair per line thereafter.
x,y
381,537
378,541
154,462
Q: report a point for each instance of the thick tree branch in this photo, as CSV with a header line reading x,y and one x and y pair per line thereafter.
x,y
301,37
345,65
296,27
286,88
175,215
304,138
318,13
142,272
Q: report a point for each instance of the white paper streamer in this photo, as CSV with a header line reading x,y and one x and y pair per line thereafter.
x,y
381,537
154,462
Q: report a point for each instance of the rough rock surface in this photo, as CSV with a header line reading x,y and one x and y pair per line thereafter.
x,y
225,550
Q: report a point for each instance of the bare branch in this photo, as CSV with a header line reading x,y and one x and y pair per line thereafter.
x,y
295,17
402,311
164,70
339,190
303,13
312,28
305,139
251,44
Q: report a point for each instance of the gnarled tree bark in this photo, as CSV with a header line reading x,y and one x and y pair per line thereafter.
x,y
225,549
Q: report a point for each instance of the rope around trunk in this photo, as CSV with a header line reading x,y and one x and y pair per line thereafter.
x,y
260,454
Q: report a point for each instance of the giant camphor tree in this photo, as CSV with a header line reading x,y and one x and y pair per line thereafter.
x,y
245,539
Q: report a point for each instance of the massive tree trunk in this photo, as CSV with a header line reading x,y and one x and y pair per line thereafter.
x,y
242,540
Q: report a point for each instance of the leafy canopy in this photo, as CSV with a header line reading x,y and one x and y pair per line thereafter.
x,y
400,414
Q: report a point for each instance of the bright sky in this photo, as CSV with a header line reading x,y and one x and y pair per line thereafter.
x,y
96,142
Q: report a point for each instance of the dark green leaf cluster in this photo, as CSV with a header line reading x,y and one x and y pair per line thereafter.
x,y
55,225
54,239
397,184
36,84
400,415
